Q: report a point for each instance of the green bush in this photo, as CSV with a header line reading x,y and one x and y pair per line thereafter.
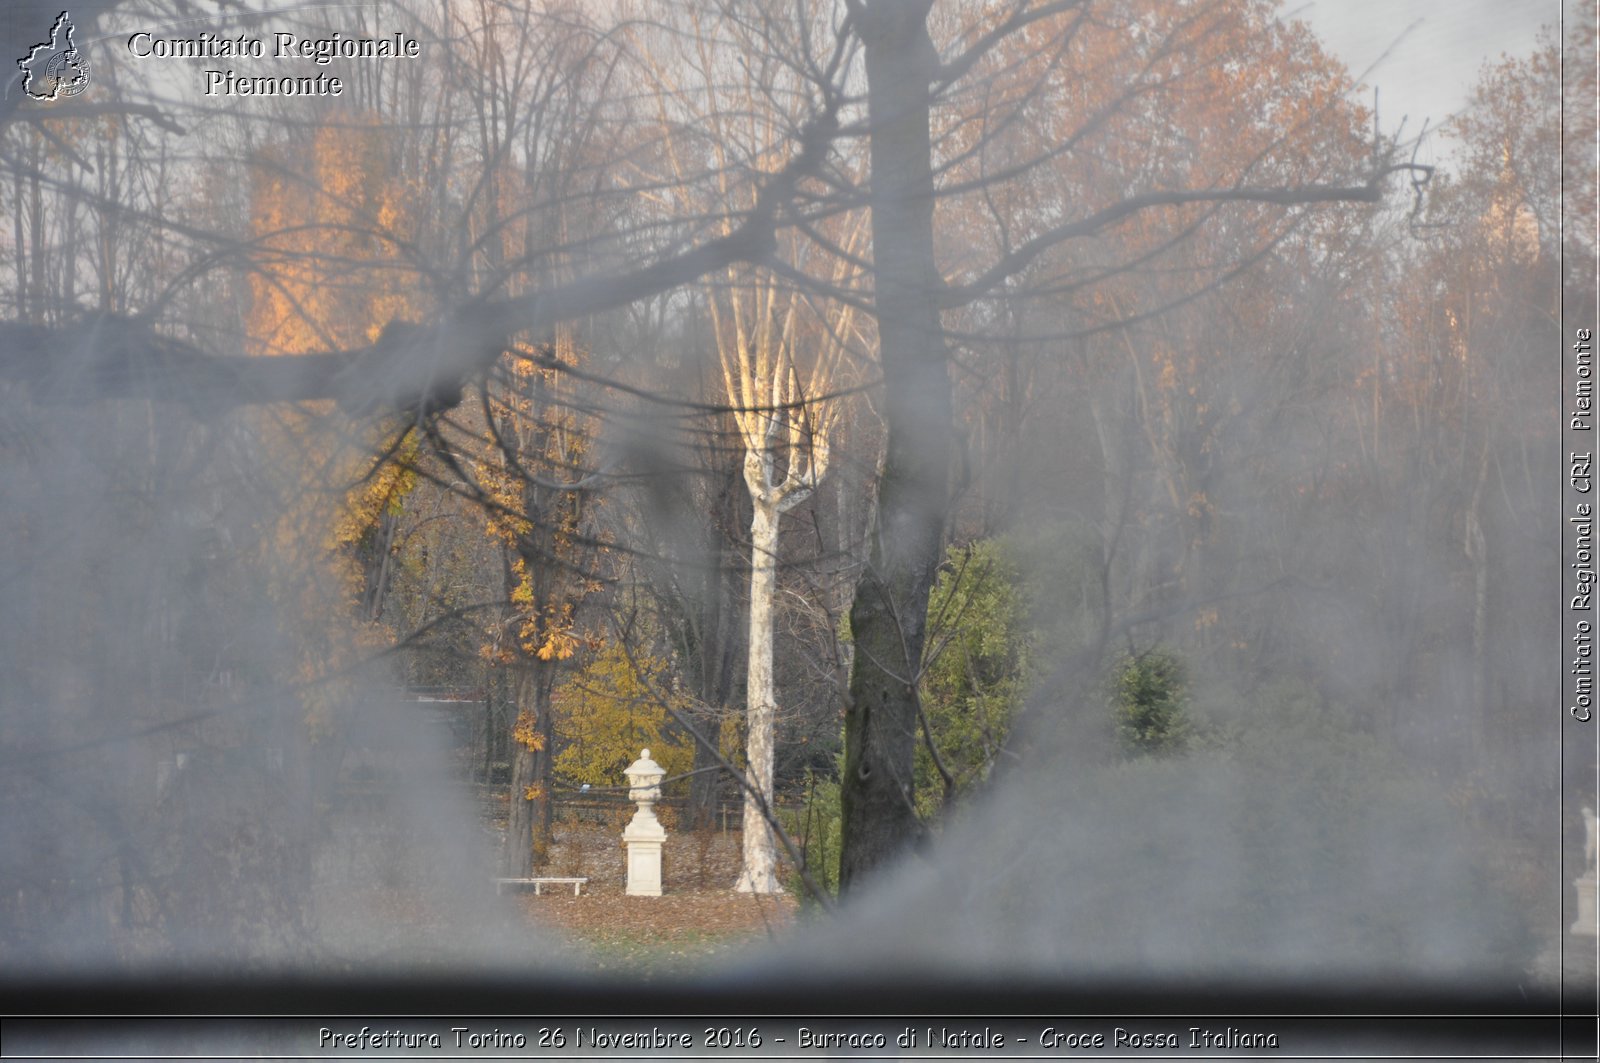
x,y
1149,702
978,653
818,828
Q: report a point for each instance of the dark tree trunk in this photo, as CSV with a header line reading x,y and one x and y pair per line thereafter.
x,y
701,811
544,808
529,814
377,564
890,610
517,856
714,673
697,591
718,652
533,731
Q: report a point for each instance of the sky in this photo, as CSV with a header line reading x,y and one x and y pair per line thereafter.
x,y
1436,47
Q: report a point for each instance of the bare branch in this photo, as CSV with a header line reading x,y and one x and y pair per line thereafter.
x,y
1019,259
424,366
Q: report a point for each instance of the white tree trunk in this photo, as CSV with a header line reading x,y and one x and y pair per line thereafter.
x,y
760,856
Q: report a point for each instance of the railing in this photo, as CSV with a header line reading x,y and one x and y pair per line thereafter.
x,y
613,809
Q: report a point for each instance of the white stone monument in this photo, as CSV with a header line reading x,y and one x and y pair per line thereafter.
x,y
1588,921
644,834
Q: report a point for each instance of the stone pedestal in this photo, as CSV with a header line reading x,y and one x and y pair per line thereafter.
x,y
644,836
1588,920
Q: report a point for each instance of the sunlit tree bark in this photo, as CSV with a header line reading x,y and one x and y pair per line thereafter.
x,y
781,350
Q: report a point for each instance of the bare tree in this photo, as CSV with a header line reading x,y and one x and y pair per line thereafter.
x,y
781,187
906,80
781,349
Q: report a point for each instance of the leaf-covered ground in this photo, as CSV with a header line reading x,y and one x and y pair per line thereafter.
x,y
698,919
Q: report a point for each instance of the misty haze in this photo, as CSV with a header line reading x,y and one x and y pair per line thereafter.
x,y
1062,491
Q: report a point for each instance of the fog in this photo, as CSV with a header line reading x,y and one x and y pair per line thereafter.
x,y
1232,500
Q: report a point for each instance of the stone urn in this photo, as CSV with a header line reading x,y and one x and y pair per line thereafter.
x,y
644,835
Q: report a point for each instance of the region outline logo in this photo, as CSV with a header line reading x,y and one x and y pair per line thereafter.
x,y
55,68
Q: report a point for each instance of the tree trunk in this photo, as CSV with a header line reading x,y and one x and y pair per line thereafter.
x,y
544,806
517,855
712,653
1478,553
701,811
889,614
760,856
528,816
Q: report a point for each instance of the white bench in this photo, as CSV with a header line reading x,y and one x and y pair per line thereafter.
x,y
538,883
